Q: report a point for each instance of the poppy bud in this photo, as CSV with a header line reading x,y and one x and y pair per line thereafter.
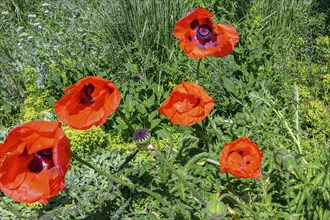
x,y
215,209
284,159
218,121
142,137
289,163
242,118
278,156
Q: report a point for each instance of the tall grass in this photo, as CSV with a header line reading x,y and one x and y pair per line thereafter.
x,y
286,21
146,24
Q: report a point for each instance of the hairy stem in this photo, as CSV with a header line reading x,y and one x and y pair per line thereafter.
x,y
125,119
120,181
296,91
128,159
327,170
198,67
230,187
287,177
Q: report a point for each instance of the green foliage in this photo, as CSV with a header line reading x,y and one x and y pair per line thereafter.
x,y
86,141
273,89
140,101
38,105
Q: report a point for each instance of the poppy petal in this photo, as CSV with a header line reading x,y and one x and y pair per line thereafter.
x,y
227,39
187,104
200,37
241,158
82,107
35,173
13,172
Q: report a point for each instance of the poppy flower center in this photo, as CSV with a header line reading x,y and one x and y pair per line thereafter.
x,y
41,159
87,92
204,33
186,104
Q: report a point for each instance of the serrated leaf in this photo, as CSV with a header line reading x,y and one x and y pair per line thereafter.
x,y
229,85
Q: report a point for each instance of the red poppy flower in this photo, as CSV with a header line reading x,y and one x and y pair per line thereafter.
x,y
241,158
88,102
187,104
34,159
200,37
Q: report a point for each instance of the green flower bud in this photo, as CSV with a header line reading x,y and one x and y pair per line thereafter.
x,y
289,163
243,118
218,121
284,159
215,209
278,156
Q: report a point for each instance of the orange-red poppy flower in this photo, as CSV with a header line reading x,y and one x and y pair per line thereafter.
x,y
34,159
88,102
241,158
187,104
200,37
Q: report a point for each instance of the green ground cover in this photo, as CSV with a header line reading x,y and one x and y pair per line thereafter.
x,y
274,88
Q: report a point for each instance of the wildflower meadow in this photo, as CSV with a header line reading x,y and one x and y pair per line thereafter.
x,y
130,109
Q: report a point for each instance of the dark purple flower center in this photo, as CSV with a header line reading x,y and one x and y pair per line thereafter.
x,y
204,33
194,24
87,92
41,159
141,134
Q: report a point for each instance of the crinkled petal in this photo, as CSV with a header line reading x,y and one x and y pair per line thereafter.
x,y
187,104
241,158
82,115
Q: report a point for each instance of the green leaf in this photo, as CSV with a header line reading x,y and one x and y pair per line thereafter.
x,y
141,108
229,85
129,104
131,67
154,123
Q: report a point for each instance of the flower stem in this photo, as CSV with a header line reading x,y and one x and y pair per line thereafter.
x,y
181,178
326,173
125,119
230,196
242,204
287,177
229,183
120,181
128,159
198,66
205,135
